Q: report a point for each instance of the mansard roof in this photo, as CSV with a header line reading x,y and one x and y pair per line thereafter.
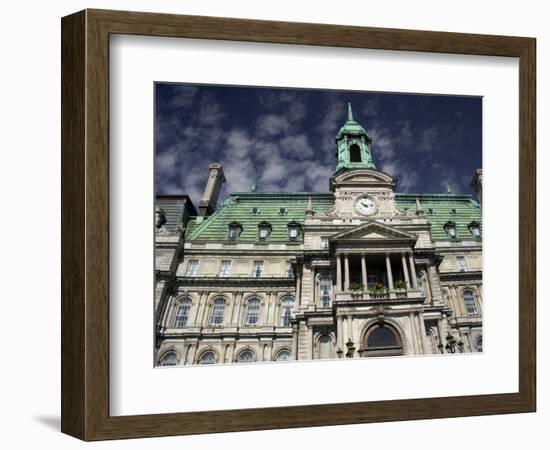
x,y
441,208
239,207
252,208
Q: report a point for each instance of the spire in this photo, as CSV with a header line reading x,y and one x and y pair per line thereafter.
x,y
350,113
353,145
253,186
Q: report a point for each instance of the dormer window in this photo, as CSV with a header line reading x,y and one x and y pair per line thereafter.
x,y
475,229
450,229
294,230
283,211
255,211
234,231
264,230
430,211
454,212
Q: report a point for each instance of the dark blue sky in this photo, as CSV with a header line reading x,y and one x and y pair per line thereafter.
x,y
284,138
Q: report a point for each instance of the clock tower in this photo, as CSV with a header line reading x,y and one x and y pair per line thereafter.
x,y
360,190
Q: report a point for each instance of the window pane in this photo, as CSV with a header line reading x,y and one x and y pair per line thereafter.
x,y
461,261
169,359
182,313
382,337
208,358
283,355
246,357
218,309
192,266
257,269
253,312
289,272
470,302
225,268
287,305
325,287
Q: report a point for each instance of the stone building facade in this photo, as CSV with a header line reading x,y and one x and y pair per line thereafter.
x,y
358,271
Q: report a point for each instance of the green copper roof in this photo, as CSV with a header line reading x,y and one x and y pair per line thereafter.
x,y
281,208
251,208
353,146
442,208
351,126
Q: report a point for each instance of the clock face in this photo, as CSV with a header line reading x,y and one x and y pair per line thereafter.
x,y
365,206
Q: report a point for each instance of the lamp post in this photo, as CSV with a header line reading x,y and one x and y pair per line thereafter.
x,y
452,345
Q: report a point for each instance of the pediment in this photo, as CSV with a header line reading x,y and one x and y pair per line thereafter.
x,y
373,231
363,176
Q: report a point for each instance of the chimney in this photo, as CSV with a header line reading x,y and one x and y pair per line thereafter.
x,y
209,199
477,183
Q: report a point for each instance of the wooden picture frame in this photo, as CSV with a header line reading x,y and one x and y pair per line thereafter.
x,y
85,224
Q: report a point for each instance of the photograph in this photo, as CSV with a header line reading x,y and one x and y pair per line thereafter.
x,y
301,224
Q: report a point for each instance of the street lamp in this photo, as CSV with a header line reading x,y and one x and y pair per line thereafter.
x,y
452,344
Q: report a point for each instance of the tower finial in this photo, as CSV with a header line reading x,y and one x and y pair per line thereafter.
x,y
350,113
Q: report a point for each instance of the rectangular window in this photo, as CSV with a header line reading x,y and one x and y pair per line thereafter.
x,y
257,269
225,268
324,242
192,267
289,272
461,261
325,287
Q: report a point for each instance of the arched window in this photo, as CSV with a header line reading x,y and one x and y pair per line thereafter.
x,y
470,302
264,230
252,311
479,343
218,310
234,230
325,291
450,229
355,153
383,341
325,347
283,355
208,357
170,358
246,356
182,312
287,306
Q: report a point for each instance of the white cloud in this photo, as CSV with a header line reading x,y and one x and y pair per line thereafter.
x,y
272,125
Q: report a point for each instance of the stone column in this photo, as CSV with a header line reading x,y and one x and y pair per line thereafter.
x,y
346,272
310,341
422,327
298,287
413,271
338,273
414,335
200,305
405,270
340,332
389,272
364,271
441,331
238,301
295,340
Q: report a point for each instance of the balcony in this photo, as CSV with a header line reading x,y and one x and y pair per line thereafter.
x,y
407,295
